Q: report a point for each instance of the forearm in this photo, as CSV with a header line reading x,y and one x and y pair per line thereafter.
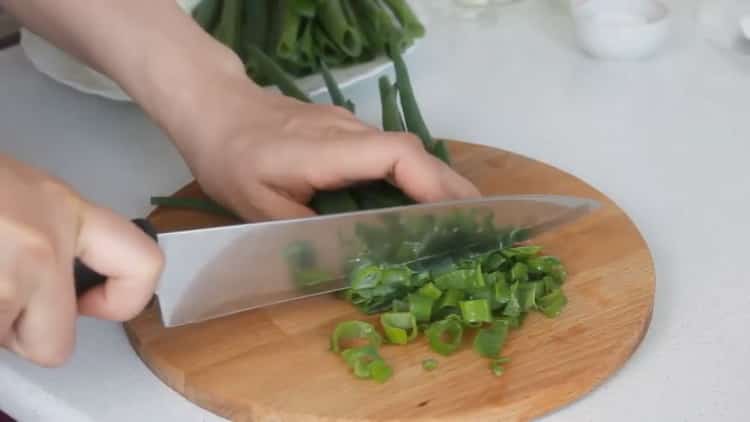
x,y
151,48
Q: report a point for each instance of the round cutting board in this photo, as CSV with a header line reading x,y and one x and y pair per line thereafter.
x,y
274,364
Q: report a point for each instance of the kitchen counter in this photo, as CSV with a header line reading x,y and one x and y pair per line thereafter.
x,y
667,139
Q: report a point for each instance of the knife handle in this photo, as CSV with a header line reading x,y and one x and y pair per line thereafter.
x,y
86,278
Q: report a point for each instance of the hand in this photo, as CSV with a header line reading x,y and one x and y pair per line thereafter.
x,y
44,225
264,155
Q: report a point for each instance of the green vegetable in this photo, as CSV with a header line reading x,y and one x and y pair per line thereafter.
x,y
391,116
227,31
366,362
414,121
513,307
380,371
429,290
287,47
421,307
429,364
445,336
496,366
206,14
552,304
476,310
333,89
400,328
380,28
270,69
519,273
306,8
334,201
352,332
407,18
333,18
296,33
489,341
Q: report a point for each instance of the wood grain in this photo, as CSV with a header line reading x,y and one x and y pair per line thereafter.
x,y
272,364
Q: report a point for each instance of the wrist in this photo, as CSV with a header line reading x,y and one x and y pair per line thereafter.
x,y
180,80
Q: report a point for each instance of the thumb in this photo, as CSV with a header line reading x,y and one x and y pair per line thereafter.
x,y
115,247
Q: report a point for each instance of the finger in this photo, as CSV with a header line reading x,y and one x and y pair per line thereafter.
x,y
398,157
272,205
10,307
45,332
115,247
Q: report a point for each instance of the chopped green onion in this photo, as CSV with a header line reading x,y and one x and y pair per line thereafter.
x,y
527,294
451,298
353,331
477,310
489,341
400,327
552,304
430,291
421,307
380,371
519,272
445,335
429,364
513,307
496,366
360,358
522,252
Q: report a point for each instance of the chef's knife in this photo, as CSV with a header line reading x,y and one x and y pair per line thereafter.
x,y
219,271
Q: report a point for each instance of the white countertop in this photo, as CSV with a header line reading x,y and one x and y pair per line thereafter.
x,y
668,139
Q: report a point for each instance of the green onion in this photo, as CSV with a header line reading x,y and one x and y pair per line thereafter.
x,y
270,69
352,331
287,47
414,121
333,89
333,202
513,307
519,272
366,363
496,366
391,116
552,304
206,14
407,18
429,290
306,8
227,31
421,307
429,364
333,18
474,311
451,298
489,341
445,336
400,327
380,371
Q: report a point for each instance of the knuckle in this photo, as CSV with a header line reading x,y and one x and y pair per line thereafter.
x,y
410,143
56,188
36,248
335,109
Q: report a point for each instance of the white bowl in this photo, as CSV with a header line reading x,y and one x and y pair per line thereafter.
x,y
620,29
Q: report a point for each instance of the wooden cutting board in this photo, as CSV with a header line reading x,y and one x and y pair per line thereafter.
x,y
273,364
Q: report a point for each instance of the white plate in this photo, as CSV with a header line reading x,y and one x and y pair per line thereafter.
x,y
67,70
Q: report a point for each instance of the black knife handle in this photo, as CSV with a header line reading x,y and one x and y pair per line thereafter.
x,y
86,278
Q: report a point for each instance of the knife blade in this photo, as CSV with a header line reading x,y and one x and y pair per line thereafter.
x,y
214,272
